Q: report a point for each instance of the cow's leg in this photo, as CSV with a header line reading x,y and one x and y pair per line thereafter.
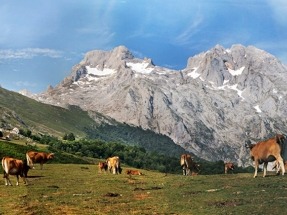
x,y
7,180
114,170
17,179
281,165
256,164
265,169
24,180
41,166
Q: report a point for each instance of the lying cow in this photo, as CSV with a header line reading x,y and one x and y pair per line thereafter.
x,y
103,166
228,166
114,165
267,151
12,166
188,165
133,172
38,157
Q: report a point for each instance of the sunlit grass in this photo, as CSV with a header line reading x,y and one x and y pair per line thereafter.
x,y
80,189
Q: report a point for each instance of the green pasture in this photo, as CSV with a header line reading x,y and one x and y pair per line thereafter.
x,y
81,189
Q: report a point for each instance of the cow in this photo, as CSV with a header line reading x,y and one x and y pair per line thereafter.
x,y
267,151
187,164
38,157
114,165
103,166
133,172
228,166
12,166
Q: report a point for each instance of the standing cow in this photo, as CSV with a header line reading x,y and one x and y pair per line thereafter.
x,y
12,166
188,165
38,157
267,151
114,165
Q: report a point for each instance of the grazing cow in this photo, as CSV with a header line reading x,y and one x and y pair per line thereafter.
x,y
38,157
114,165
12,166
133,172
103,166
187,164
267,151
228,166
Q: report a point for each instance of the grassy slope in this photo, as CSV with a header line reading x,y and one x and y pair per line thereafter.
x,y
80,189
42,117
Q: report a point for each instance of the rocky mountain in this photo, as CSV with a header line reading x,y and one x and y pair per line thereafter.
x,y
222,98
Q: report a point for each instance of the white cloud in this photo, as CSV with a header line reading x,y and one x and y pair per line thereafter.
x,y
185,36
279,8
29,53
25,84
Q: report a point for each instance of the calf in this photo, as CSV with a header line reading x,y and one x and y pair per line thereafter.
x,y
267,151
12,166
228,166
103,166
133,172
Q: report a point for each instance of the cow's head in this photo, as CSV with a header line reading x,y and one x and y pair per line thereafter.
x,y
51,156
248,144
280,138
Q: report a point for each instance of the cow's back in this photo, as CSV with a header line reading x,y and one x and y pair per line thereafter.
x,y
265,148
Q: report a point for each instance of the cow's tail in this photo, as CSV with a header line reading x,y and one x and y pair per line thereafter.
x,y
29,161
5,166
182,160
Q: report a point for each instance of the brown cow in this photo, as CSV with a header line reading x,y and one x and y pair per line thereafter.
x,y
228,166
114,165
38,157
188,165
133,172
267,151
12,166
103,166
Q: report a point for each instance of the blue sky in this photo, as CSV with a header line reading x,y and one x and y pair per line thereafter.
x,y
41,40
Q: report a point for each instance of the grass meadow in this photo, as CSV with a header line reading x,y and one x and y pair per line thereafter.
x,y
81,189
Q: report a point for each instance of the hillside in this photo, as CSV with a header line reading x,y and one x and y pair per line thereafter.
x,y
222,98
19,111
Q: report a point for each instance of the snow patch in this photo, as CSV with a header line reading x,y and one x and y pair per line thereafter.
x,y
236,72
257,108
140,67
194,74
98,72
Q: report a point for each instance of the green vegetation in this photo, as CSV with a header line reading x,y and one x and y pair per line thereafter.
x,y
80,189
19,150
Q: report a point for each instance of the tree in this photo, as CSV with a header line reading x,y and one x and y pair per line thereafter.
x,y
71,137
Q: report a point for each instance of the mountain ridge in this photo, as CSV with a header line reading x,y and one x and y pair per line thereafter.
x,y
207,108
